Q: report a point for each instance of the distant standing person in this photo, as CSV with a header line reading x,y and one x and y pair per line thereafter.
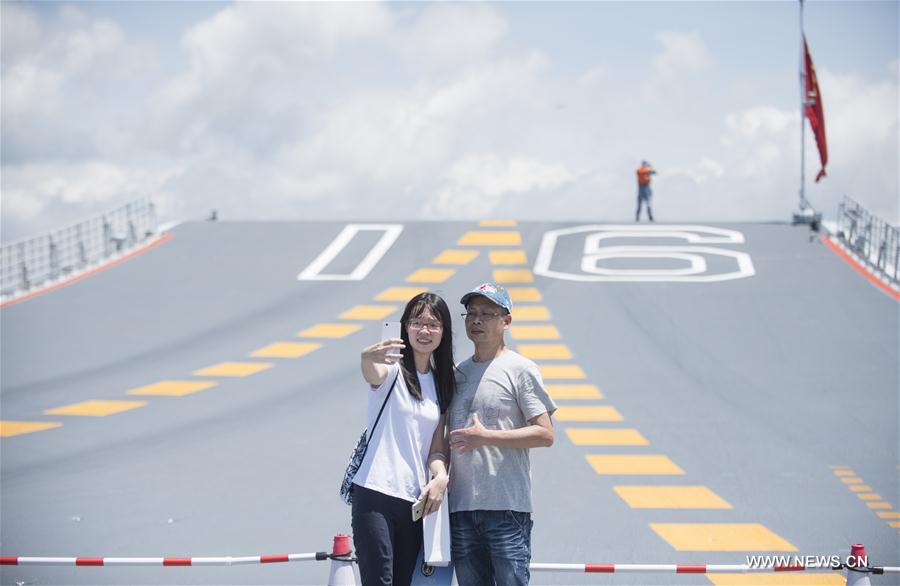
x,y
644,192
499,411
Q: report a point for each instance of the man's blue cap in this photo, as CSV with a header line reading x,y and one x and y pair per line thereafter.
x,y
493,292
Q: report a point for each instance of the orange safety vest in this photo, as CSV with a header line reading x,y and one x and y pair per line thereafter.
x,y
643,175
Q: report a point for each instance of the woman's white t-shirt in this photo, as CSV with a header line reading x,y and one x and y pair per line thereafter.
x,y
397,458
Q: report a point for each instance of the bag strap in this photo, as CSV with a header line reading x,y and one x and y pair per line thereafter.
x,y
374,425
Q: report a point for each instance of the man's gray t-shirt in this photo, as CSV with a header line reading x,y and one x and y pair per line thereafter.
x,y
505,392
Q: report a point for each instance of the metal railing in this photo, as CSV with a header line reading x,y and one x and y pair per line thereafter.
x,y
28,264
872,239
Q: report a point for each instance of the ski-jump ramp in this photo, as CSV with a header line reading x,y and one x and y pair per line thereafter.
x,y
725,390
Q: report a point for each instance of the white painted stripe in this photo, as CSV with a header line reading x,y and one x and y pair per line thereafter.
x,y
593,253
540,567
314,271
133,561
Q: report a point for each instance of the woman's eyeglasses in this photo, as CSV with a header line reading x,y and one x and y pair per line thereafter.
x,y
434,326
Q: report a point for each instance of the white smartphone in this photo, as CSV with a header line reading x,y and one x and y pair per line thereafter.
x,y
390,329
418,508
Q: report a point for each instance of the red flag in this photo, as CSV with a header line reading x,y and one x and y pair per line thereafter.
x,y
813,101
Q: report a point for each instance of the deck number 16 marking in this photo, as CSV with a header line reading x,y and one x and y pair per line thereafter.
x,y
693,254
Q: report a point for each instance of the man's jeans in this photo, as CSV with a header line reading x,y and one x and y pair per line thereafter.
x,y
491,547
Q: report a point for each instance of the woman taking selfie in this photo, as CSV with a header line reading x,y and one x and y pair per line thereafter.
x,y
412,378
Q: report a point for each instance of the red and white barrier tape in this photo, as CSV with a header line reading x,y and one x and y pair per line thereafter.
x,y
686,568
215,561
535,567
662,568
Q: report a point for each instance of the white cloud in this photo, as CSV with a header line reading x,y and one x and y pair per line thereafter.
x,y
452,35
475,184
756,173
407,110
35,71
401,140
861,123
256,69
677,67
33,190
245,35
681,52
758,137
22,32
595,75
706,170
495,176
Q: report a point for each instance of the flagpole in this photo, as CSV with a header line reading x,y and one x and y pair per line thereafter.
x,y
802,113
807,214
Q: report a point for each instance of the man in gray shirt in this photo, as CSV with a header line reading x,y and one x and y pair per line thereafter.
x,y
499,411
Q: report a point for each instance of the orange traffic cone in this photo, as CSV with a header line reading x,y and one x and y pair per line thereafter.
x,y
341,573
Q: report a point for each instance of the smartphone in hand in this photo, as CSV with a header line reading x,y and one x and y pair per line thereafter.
x,y
418,508
390,329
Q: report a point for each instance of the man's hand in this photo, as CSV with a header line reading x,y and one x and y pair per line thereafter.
x,y
469,438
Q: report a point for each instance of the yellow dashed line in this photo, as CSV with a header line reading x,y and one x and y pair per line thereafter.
x,y
721,537
455,257
544,351
286,350
173,388
561,371
534,332
13,428
587,413
777,579
399,293
513,276
606,437
330,330
430,275
508,257
523,294
671,497
574,391
868,496
481,238
865,493
496,223
633,464
530,313
233,369
372,312
95,408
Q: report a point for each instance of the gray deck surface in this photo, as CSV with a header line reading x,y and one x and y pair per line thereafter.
x,y
755,387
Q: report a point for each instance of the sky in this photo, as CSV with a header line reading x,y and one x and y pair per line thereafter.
x,y
440,111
